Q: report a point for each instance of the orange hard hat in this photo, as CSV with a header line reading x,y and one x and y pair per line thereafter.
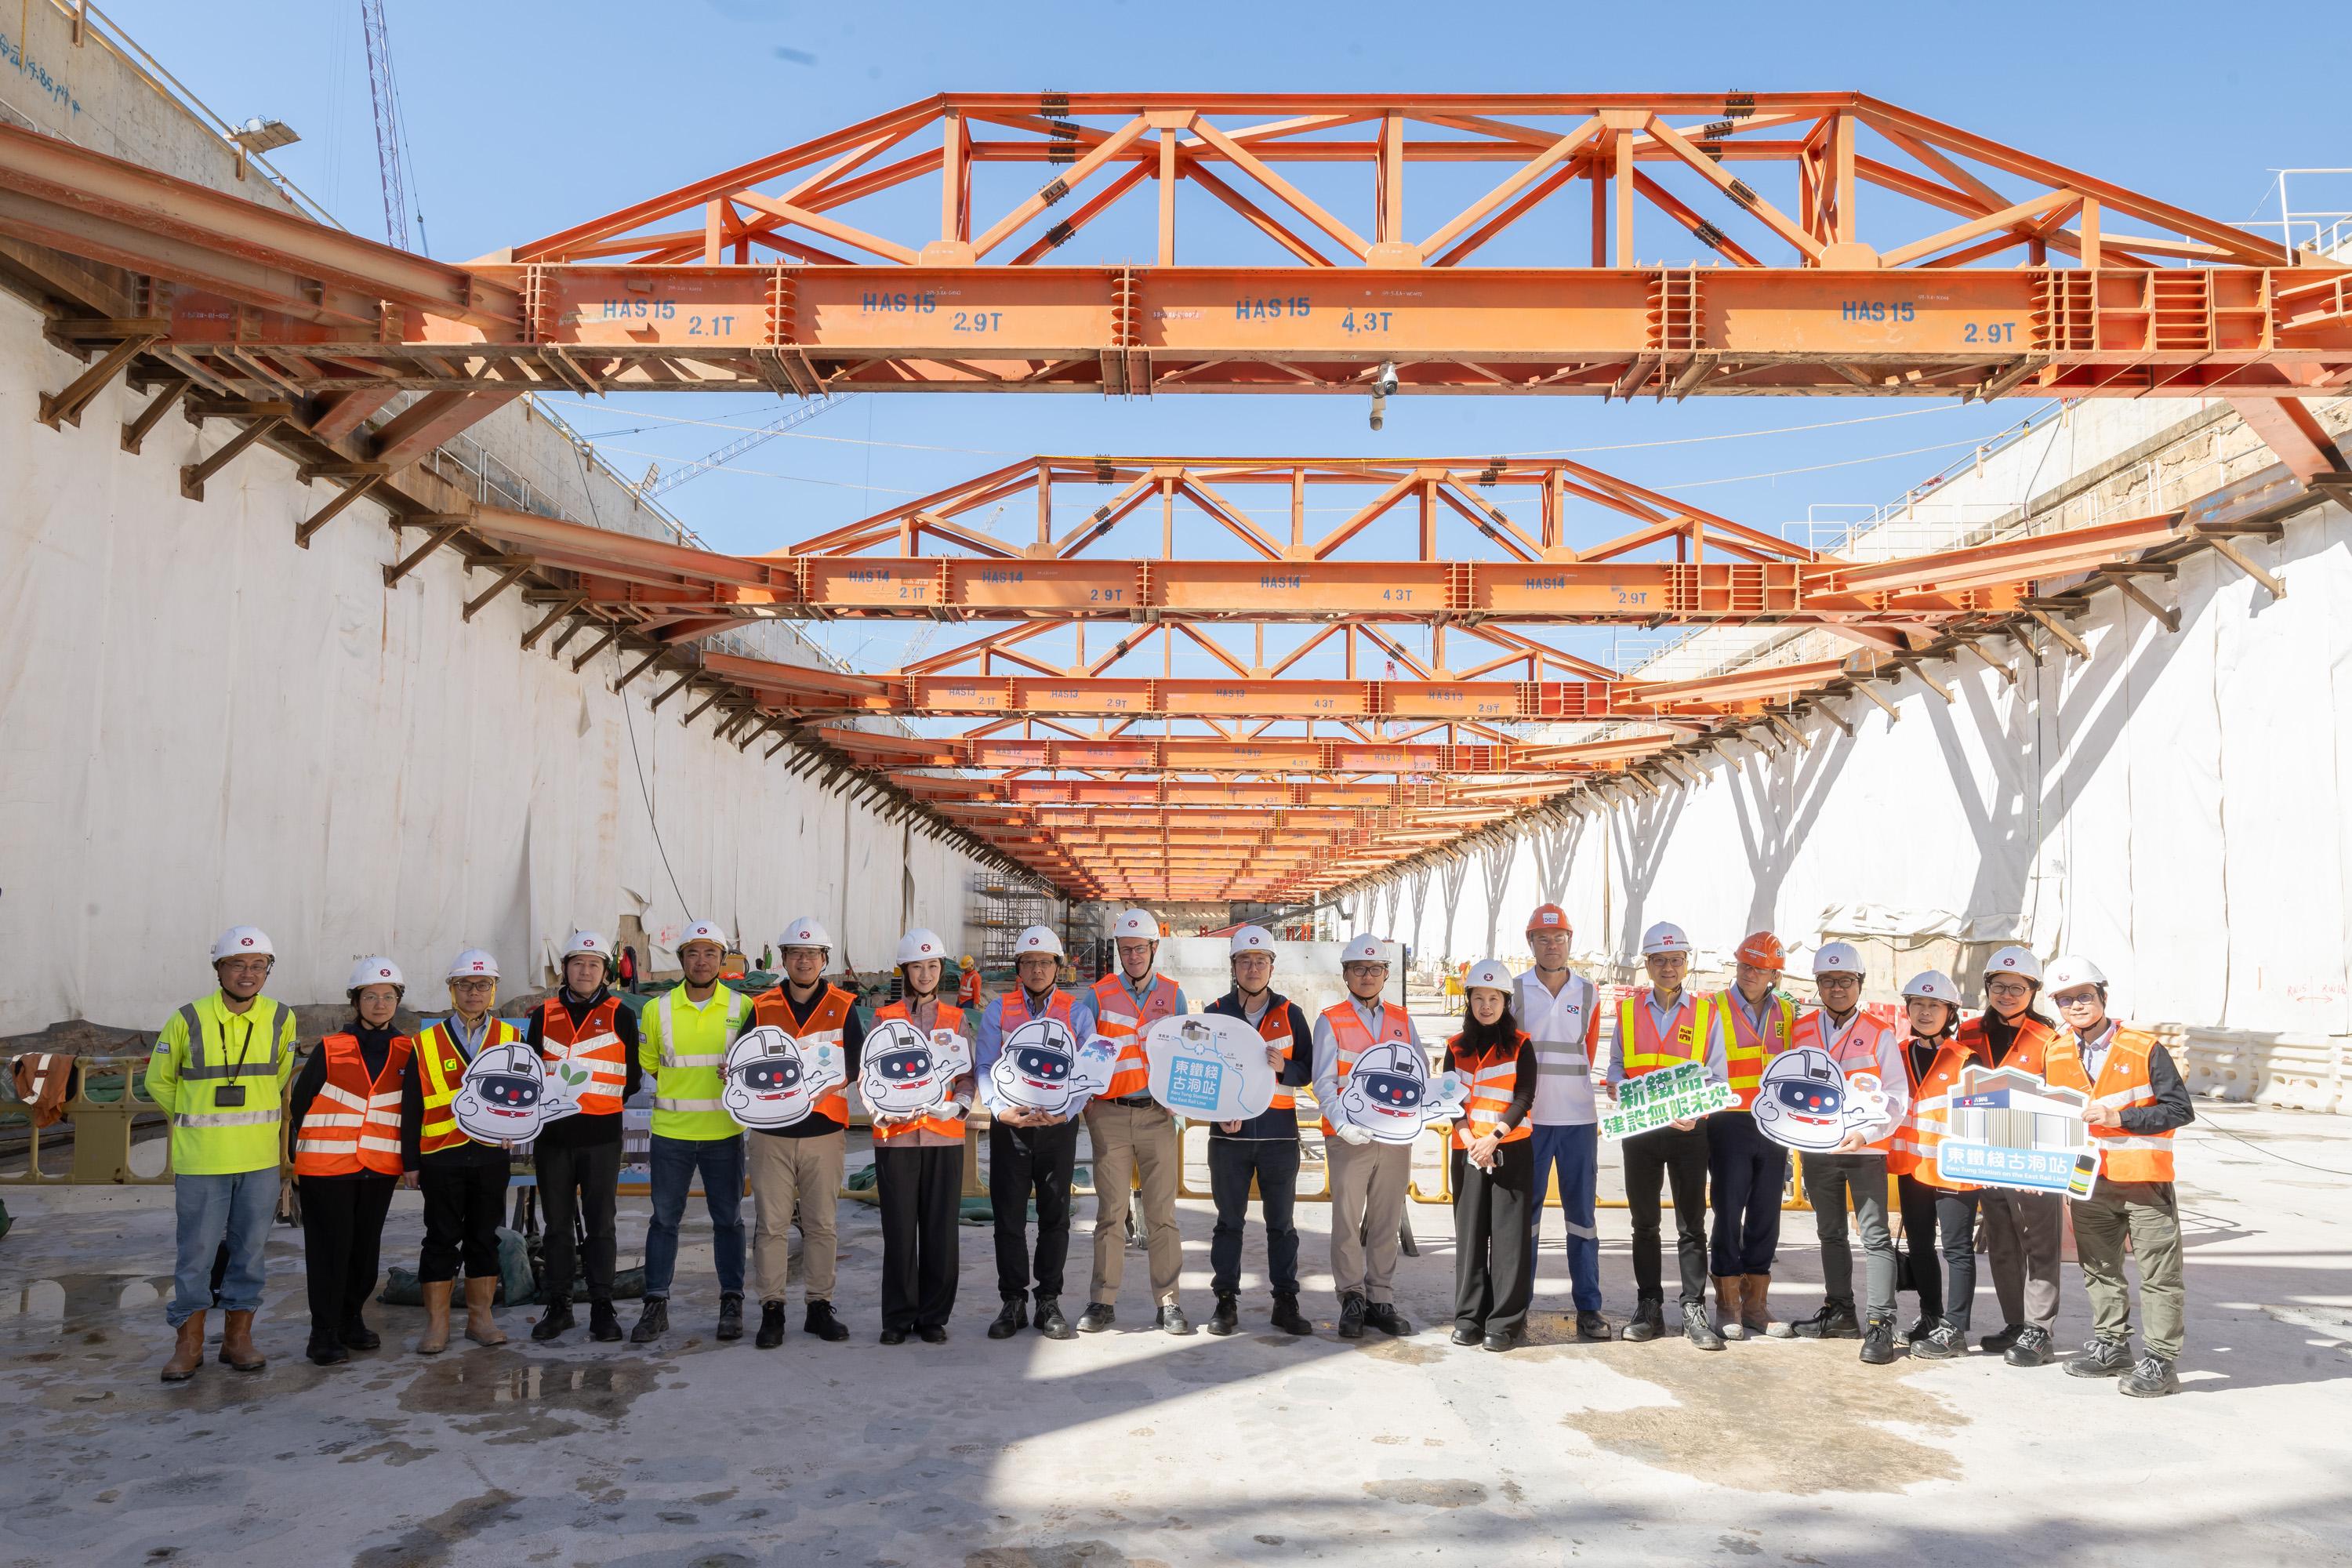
x,y
1763,950
1548,916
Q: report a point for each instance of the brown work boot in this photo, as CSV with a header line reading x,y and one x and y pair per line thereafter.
x,y
237,1345
480,1327
1728,1304
187,1351
1756,1307
437,1318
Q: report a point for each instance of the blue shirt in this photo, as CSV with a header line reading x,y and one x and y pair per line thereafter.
x,y
988,1040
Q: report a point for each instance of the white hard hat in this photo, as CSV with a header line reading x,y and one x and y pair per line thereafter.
x,y
1934,984
922,944
1664,937
703,931
587,942
375,972
473,961
804,932
1491,974
1837,958
1253,939
2014,961
1132,923
1363,950
2069,971
243,942
1037,939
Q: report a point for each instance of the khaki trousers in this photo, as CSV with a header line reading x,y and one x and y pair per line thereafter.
x,y
1368,1197
1129,1140
2148,1213
786,1173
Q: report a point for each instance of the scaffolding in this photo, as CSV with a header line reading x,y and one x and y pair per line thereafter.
x,y
1003,907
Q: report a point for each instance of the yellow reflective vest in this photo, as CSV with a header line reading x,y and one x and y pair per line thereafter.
x,y
683,1046
204,1049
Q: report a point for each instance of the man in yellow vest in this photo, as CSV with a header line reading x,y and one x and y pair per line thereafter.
x,y
1747,1172
2137,1102
219,1071
1369,1179
1132,1136
682,1042
464,1182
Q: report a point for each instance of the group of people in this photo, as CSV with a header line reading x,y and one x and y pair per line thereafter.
x,y
1538,1055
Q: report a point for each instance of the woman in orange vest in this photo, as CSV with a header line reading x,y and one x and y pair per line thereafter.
x,y
919,1169
1933,1004
349,1153
1493,1164
2024,1232
2137,1102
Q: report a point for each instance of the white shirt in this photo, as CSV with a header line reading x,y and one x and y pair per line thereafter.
x,y
1327,1045
1562,1026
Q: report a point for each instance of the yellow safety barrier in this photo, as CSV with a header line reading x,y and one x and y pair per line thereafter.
x,y
108,1103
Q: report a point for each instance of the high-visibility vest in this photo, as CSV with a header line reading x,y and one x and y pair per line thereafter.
x,y
1274,1029
2123,1081
208,1139
947,1119
2026,1052
1854,1051
1913,1153
1493,1080
1119,1016
1744,1050
441,1068
353,1125
1352,1040
968,989
687,1083
1640,1049
595,1045
826,1020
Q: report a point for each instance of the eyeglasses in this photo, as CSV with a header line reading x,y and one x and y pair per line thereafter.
x,y
2009,988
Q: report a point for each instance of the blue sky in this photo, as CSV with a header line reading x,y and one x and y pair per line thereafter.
x,y
527,116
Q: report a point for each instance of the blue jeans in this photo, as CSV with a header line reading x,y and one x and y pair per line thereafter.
x,y
1575,1154
212,1209
674,1162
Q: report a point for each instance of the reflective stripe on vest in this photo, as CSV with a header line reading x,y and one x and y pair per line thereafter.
x,y
1494,1081
2124,1081
1274,1029
1913,1151
1642,1049
440,1070
828,1018
1350,1040
362,1132
2027,1052
595,1045
1745,1051
1119,1016
947,1119
212,1064
1855,1052
692,1085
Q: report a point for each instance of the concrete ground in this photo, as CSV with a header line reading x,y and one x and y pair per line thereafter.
x,y
1136,1448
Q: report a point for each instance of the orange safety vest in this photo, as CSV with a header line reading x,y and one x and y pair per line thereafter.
x,y
1745,1051
1494,1079
1274,1029
1352,1039
825,1024
353,1125
596,1044
968,989
2123,1081
1855,1052
1642,1049
442,1070
1913,1153
1117,1017
946,1120
2026,1053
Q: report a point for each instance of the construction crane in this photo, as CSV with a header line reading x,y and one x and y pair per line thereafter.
x,y
797,415
391,135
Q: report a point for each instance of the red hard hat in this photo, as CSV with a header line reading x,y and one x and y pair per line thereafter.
x,y
1548,916
1763,950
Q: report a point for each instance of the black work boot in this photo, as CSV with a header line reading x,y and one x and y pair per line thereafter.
x,y
731,1316
819,1321
1353,1310
2151,1379
1836,1320
1227,1318
1286,1315
1878,1342
603,1323
653,1321
1996,1345
556,1319
2031,1349
2100,1358
1382,1315
1944,1344
327,1352
1097,1317
771,1326
357,1336
1648,1322
1011,1318
1172,1319
1050,1321
1591,1326
1697,1329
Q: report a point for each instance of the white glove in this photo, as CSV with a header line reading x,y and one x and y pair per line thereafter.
x,y
1351,1133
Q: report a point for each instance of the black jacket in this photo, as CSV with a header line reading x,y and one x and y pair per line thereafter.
x,y
582,1132
1274,1124
376,1045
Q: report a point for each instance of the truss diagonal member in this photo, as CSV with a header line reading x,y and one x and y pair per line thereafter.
x,y
1060,185
1519,180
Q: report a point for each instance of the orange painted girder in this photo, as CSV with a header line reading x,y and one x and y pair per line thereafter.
x,y
1118,791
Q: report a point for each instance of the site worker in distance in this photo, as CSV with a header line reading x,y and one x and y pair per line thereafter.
x,y
1747,1172
1561,1014
1369,1179
1032,1154
683,1035
578,1157
2137,1100
1264,1147
465,1182
2023,1231
1133,1135
219,1071
1860,1045
1656,1028
797,1168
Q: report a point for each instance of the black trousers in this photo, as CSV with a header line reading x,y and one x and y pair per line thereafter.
x,y
464,1205
579,1183
1653,1160
1026,1163
342,1232
1956,1230
1494,1245
1919,1245
1274,1161
921,1192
